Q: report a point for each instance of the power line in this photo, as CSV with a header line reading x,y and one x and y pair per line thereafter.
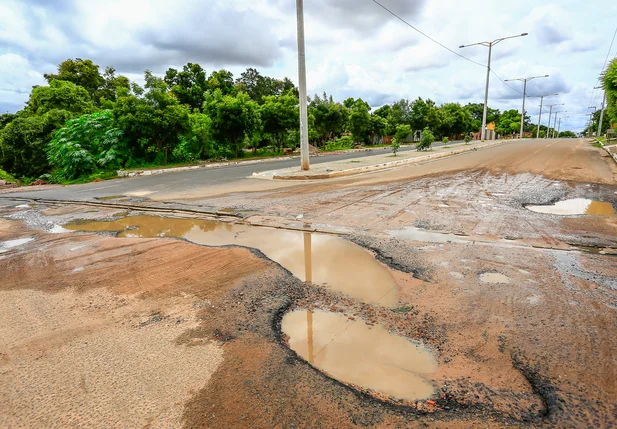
x,y
441,44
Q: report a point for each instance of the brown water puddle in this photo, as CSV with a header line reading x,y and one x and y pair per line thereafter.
x,y
355,353
320,259
576,206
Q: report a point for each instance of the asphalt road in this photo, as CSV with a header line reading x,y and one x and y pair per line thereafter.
x,y
181,180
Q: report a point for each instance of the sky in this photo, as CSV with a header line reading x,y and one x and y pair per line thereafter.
x,y
354,48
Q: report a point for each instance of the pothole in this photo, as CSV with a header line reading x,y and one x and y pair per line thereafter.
x,y
496,278
6,245
317,258
576,206
361,355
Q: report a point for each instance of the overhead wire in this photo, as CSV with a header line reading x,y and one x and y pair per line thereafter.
x,y
608,53
442,45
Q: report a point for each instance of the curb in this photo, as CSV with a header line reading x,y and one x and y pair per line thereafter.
x,y
382,166
612,155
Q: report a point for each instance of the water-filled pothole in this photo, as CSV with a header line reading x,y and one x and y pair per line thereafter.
x,y
318,258
366,356
576,206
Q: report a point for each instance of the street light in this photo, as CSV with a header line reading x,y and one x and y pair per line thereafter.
x,y
524,80
599,133
555,122
304,143
488,73
540,115
550,113
591,119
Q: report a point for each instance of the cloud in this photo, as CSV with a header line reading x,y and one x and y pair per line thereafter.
x,y
18,77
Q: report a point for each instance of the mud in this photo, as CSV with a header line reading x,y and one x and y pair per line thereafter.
x,y
355,353
318,258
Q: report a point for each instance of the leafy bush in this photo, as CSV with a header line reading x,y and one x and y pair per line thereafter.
x,y
342,143
468,139
87,144
446,141
426,141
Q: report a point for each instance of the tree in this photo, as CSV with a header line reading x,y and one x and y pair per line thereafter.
x,y
87,144
400,114
378,126
426,141
152,123
402,132
278,115
360,120
509,122
6,118
80,72
24,139
258,87
455,120
188,85
233,118
328,118
609,81
222,80
383,111
476,110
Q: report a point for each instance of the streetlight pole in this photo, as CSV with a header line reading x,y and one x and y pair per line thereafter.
x,y
591,119
550,114
304,144
555,123
540,115
489,45
599,133
524,80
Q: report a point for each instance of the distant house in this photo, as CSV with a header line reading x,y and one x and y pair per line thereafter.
x,y
490,132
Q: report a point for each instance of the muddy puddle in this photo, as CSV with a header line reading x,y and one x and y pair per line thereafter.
x,y
361,355
321,259
6,245
576,206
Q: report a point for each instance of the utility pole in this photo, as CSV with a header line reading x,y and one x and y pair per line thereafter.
x,y
555,123
489,45
599,133
304,144
539,117
559,128
550,114
591,119
524,80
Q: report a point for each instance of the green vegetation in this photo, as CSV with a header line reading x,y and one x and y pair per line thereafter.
x,y
426,141
445,141
609,81
86,124
468,139
7,177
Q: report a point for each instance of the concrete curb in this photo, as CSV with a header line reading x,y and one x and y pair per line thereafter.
x,y
607,149
382,166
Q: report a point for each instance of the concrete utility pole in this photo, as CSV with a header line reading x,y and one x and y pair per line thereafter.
x,y
304,144
550,114
591,119
524,80
555,124
559,128
489,45
599,133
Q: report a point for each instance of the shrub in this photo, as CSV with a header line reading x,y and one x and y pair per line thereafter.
x,y
467,139
446,141
342,143
426,141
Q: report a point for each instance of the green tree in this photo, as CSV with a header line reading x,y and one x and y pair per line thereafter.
x,y
609,81
258,86
378,127
402,132
24,139
83,73
188,85
509,122
328,118
222,80
360,121
426,141
233,118
152,123
279,115
455,120
87,144
476,110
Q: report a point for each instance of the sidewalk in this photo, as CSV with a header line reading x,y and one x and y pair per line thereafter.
x,y
367,164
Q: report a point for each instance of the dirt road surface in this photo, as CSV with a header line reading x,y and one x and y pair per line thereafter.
x,y
142,327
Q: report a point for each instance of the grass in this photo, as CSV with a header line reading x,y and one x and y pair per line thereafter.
x,y
6,176
598,145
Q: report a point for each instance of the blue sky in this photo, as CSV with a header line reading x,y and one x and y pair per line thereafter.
x,y
354,48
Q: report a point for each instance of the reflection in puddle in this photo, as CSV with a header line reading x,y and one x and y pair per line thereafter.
x,y
355,353
321,259
576,206
110,197
494,278
416,234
